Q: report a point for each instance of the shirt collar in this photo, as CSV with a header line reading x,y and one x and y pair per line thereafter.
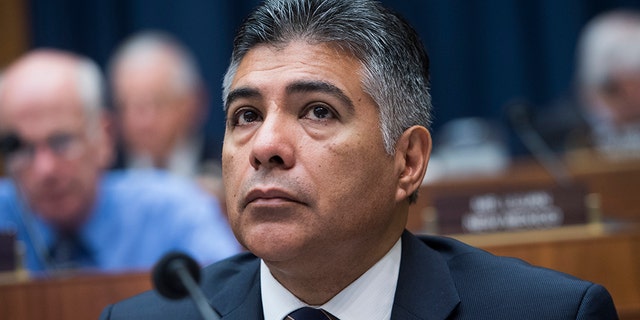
x,y
182,161
369,297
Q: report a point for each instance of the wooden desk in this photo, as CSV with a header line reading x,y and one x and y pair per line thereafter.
x,y
67,297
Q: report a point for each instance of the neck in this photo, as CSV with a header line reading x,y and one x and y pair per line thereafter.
x,y
317,282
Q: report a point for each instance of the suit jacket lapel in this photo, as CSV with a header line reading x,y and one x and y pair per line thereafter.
x,y
250,308
240,298
425,287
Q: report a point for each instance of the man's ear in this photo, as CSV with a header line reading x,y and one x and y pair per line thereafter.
x,y
412,156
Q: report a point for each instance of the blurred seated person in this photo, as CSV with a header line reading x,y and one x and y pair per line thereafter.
x,y
66,209
160,104
604,113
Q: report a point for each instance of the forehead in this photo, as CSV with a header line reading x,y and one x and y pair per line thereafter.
x,y
153,71
268,67
35,108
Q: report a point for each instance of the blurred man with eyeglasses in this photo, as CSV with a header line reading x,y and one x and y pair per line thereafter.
x,y
57,143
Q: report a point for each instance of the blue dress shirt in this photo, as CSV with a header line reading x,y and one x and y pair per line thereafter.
x,y
139,215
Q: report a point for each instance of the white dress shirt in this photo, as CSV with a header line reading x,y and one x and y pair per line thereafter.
x,y
183,160
370,297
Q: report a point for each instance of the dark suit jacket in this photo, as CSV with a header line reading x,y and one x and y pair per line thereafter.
x,y
440,278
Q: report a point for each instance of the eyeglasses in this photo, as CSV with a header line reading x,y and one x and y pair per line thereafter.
x,y
20,153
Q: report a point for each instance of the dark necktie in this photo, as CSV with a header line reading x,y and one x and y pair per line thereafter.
x,y
69,252
308,313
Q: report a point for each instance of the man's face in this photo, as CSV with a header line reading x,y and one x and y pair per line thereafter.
x,y
624,103
58,164
153,113
304,165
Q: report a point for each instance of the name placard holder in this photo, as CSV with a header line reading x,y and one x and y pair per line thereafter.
x,y
519,208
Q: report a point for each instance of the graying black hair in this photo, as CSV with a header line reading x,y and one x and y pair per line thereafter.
x,y
395,65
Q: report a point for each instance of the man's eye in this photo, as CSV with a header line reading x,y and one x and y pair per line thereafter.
x,y
10,143
319,112
245,116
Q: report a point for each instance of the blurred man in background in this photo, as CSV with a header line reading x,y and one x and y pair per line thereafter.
x,y
609,79
63,207
161,107
604,112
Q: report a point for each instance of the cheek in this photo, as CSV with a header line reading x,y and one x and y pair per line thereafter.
x,y
28,181
86,169
228,163
230,179
363,156
164,125
175,121
349,172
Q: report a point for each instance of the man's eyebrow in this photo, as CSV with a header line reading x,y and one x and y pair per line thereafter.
x,y
242,92
320,86
296,87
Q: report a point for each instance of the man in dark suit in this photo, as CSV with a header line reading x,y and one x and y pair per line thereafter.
x,y
326,144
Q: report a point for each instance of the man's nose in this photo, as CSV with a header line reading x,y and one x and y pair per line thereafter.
x,y
142,113
273,145
44,160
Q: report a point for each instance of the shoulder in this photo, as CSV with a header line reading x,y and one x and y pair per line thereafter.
x,y
225,282
153,186
7,188
508,286
467,262
8,197
176,205
145,178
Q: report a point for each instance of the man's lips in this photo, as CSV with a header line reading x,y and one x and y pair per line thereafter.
x,y
269,196
52,193
52,199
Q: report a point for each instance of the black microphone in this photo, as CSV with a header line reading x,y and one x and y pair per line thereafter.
x,y
521,119
175,276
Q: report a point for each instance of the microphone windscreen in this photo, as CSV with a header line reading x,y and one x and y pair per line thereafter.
x,y
166,279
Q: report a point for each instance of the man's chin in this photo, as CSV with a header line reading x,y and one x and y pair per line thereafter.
x,y
277,245
60,214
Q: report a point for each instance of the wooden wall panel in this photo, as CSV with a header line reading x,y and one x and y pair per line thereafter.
x,y
14,36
